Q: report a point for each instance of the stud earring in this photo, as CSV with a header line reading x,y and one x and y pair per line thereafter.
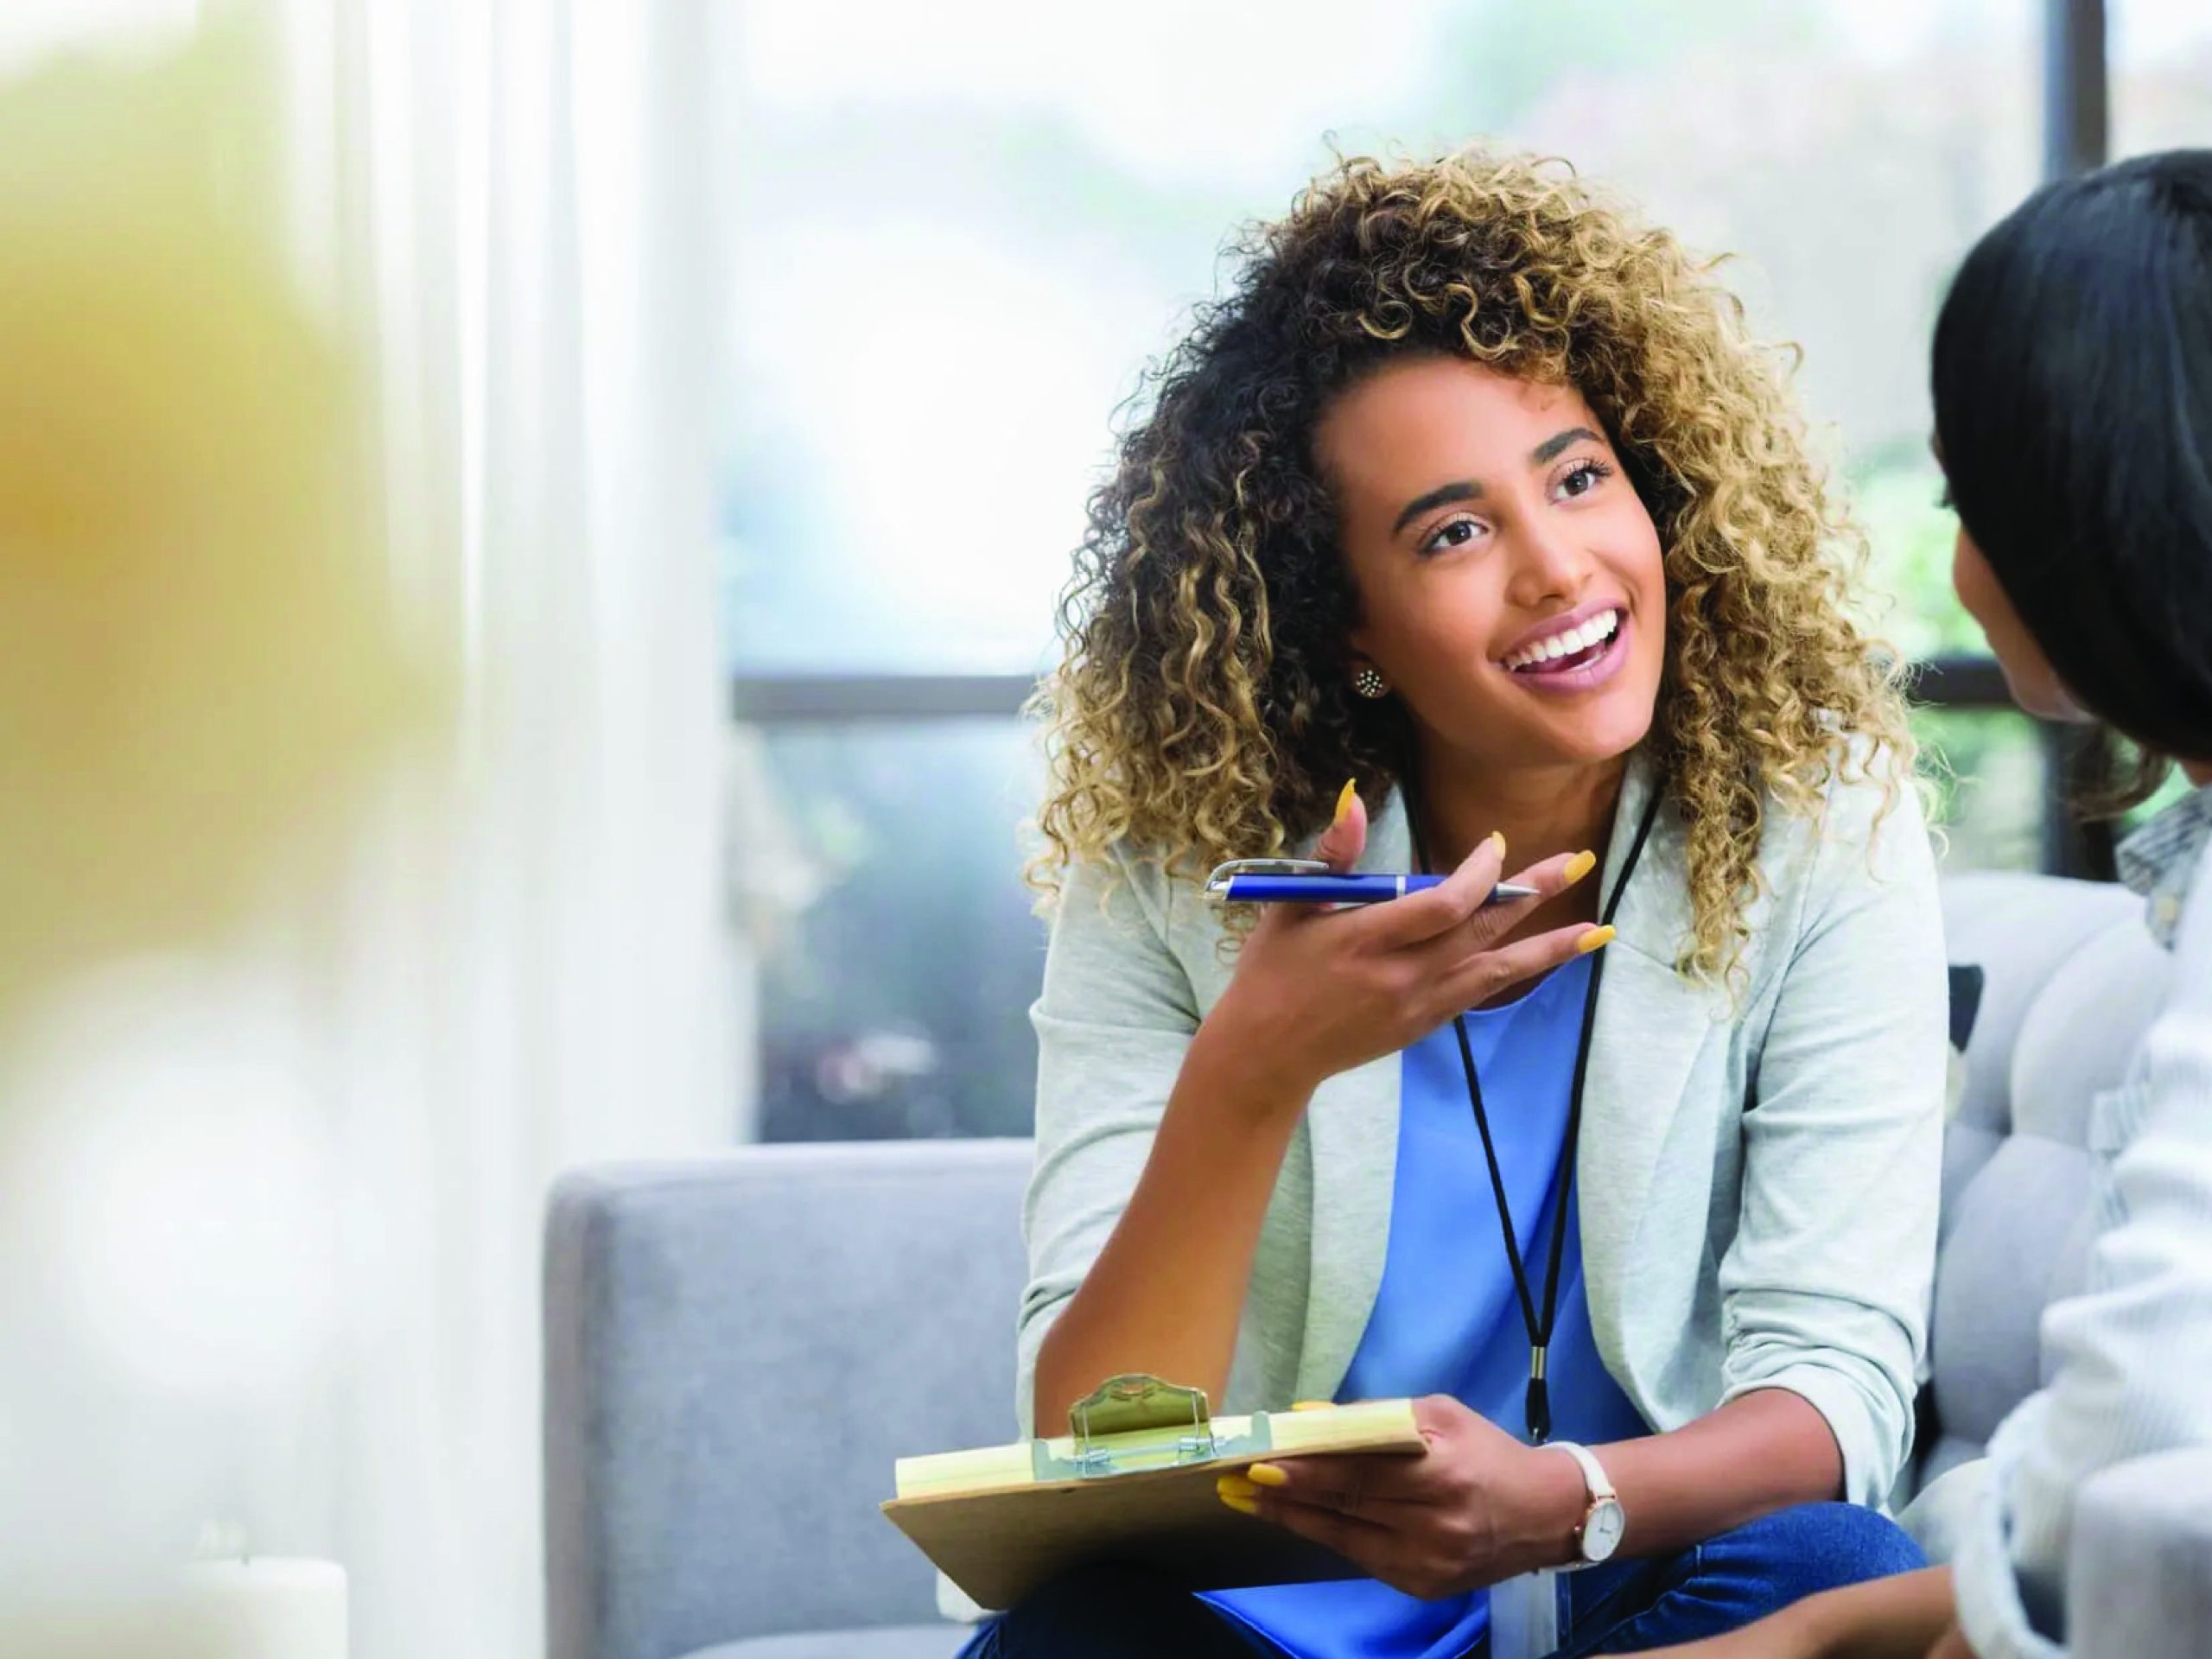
x,y
1368,682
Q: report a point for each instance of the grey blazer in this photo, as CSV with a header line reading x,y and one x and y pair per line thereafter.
x,y
1757,1175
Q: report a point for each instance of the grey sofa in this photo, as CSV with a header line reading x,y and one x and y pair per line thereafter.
x,y
736,1348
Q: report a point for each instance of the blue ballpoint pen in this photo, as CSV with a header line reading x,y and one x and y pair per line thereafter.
x,y
1309,882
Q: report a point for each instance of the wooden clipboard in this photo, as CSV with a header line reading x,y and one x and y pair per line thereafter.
x,y
1134,1482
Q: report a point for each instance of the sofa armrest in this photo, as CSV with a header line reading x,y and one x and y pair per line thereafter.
x,y
2139,1577
737,1348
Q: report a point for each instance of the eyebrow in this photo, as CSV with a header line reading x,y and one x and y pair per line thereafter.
x,y
1550,447
1466,489
1463,489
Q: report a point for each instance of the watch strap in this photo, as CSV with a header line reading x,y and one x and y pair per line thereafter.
x,y
1602,1497
1594,1472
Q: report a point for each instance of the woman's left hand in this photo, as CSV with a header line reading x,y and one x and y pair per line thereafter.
x,y
1479,1507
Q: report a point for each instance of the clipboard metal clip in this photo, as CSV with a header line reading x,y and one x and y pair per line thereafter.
x,y
1136,1422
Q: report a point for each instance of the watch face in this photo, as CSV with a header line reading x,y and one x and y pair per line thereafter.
x,y
1601,1533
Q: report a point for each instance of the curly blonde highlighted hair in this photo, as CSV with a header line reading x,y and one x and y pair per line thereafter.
x,y
1203,709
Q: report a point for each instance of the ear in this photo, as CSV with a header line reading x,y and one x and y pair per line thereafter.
x,y
1356,664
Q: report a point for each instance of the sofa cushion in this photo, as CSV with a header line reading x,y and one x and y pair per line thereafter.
x,y
1944,1454
2024,931
894,1642
1966,1147
2054,1032
2078,1037
739,1349
2065,990
2017,1220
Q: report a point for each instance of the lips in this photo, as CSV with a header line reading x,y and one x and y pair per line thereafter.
x,y
1579,656
1566,643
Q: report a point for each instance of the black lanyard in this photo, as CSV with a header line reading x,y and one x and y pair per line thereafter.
x,y
1539,1331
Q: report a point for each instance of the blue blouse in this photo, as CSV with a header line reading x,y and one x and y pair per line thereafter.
x,y
1447,1318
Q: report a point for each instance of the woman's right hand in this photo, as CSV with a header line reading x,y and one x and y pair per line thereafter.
x,y
1317,991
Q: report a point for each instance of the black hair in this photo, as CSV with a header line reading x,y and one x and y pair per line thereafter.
x,y
2073,390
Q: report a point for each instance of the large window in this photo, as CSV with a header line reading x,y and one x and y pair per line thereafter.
x,y
895,992
966,228
2161,56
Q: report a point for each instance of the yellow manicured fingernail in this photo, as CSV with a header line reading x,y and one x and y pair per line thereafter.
x,y
1596,939
1344,799
1241,1505
1265,1474
1579,866
1498,840
1312,1405
1237,1486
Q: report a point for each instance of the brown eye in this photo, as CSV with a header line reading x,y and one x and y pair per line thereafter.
x,y
1582,478
1457,533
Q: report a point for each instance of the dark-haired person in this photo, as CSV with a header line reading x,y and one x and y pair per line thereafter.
x,y
2073,380
1473,491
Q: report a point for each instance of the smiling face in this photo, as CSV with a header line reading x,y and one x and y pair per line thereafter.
x,y
1511,585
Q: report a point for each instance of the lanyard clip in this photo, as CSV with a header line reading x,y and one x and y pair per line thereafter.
x,y
1540,1397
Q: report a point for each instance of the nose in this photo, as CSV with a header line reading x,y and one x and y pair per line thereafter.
x,y
1549,563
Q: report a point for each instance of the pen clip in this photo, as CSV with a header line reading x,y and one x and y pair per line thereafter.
x,y
1217,883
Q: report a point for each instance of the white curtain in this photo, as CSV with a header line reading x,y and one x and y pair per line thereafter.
x,y
271,1205
509,204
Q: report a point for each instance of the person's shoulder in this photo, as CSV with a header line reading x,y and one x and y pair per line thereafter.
x,y
1130,889
1862,784
2192,932
1863,821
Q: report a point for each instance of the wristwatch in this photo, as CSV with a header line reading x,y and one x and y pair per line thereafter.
x,y
1603,1522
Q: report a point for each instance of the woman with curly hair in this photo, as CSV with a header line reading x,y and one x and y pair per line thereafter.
x,y
1474,492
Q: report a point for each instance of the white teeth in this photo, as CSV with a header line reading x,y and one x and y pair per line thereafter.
x,y
1599,627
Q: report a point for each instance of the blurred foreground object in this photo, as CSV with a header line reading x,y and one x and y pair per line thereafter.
x,y
275,1126
200,662
260,1607
198,654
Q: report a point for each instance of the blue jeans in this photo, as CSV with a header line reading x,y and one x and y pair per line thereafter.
x,y
1118,1613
